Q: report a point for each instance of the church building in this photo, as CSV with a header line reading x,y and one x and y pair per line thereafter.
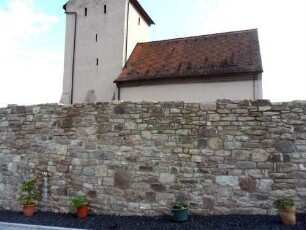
x,y
108,56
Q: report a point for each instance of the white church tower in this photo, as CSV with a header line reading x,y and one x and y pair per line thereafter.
x,y
100,36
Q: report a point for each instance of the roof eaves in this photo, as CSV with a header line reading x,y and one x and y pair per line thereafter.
x,y
138,7
213,73
65,5
141,10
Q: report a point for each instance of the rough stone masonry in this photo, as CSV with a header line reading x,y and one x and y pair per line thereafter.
x,y
137,158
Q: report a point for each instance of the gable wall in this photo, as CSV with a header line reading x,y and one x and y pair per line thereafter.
x,y
136,32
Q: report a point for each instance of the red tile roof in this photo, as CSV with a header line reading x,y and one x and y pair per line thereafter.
x,y
201,57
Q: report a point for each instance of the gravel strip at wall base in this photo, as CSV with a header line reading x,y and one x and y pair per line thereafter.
x,y
103,222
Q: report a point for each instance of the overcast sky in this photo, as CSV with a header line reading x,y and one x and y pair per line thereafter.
x,y
33,34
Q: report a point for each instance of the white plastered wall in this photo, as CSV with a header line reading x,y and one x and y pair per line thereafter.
x,y
67,84
137,32
193,92
90,78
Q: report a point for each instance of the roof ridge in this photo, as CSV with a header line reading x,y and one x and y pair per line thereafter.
x,y
199,36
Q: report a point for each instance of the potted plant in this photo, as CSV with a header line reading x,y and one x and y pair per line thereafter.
x,y
180,211
28,196
80,204
287,210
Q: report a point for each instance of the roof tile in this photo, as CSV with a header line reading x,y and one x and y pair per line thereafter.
x,y
201,56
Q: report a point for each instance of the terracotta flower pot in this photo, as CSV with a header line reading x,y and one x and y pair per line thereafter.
x,y
288,215
82,212
28,210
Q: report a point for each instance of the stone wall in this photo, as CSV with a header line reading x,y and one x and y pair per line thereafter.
x,y
233,157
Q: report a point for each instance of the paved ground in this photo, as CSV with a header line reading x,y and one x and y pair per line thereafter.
x,y
9,226
57,221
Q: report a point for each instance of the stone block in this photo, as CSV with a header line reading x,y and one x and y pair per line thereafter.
x,y
166,178
264,108
12,167
259,155
286,167
91,130
2,187
247,184
259,197
108,181
246,165
265,165
182,132
104,155
215,143
207,132
101,171
4,123
196,159
121,179
133,195
62,168
158,187
76,161
16,159
61,149
209,203
222,153
150,196
230,181
147,135
265,185
92,194
145,168
241,154
51,169
285,147
214,117
255,173
201,143
232,145
283,193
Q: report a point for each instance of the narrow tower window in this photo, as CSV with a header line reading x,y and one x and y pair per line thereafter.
x,y
139,21
85,12
96,37
97,61
104,9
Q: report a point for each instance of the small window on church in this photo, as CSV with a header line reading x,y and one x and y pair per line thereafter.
x,y
104,9
96,37
139,21
85,12
97,61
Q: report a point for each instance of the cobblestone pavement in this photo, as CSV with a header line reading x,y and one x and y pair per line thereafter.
x,y
10,226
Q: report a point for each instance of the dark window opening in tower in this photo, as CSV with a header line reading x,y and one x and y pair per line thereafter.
x,y
139,21
85,12
104,9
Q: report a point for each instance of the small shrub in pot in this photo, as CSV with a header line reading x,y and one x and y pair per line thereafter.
x,y
80,204
287,210
28,195
180,211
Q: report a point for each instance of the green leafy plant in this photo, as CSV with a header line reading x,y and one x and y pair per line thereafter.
x,y
29,194
180,205
78,202
284,203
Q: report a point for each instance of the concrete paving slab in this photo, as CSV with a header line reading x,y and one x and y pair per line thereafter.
x,y
12,226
